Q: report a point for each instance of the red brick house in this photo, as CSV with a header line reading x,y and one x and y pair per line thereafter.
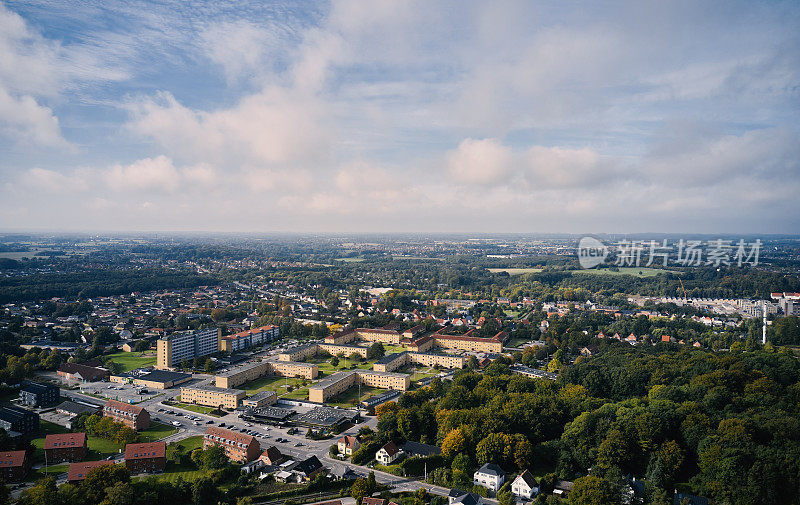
x,y
238,446
132,416
65,447
147,457
77,471
14,465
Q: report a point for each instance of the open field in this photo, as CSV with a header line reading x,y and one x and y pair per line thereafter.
x,y
416,258
39,473
515,271
200,409
270,383
349,260
133,360
99,448
349,397
637,272
156,431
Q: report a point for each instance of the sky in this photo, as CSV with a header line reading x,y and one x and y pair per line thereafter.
x,y
404,116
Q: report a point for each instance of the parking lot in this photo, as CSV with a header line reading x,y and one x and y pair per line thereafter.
x,y
127,393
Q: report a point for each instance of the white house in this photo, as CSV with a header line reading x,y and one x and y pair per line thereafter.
x,y
525,486
489,476
387,454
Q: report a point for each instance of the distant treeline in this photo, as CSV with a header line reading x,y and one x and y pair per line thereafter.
x,y
97,283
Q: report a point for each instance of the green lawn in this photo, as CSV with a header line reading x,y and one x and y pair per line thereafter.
x,y
637,272
271,383
347,398
186,472
132,360
350,260
189,444
40,473
156,431
200,409
515,271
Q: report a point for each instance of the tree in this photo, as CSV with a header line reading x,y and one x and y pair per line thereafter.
x,y
102,477
44,492
454,443
121,493
592,490
359,489
209,365
354,356
372,485
204,492
335,361
504,497
376,350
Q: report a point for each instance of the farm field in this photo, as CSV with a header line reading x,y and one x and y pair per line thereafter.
x,y
636,272
515,271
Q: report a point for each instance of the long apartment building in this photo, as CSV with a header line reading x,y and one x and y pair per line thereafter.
x,y
172,350
392,362
132,416
368,334
238,446
212,396
310,350
339,382
469,342
241,374
249,338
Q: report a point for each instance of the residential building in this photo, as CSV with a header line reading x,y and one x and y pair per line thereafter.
x,y
156,379
35,394
65,447
72,409
525,486
14,465
78,471
308,468
459,497
339,382
272,456
132,416
18,421
213,396
387,454
249,338
246,372
238,446
347,445
489,476
148,457
172,350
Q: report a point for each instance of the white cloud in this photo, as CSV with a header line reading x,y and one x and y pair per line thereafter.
x,y
149,174
25,120
241,48
485,161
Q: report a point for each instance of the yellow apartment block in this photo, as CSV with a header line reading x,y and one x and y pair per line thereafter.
x,y
342,381
368,334
468,343
212,396
347,350
247,372
299,353
392,362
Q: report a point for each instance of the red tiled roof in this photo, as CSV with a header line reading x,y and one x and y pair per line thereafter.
x,y
391,449
146,450
12,459
78,471
230,435
64,440
373,501
245,333
125,407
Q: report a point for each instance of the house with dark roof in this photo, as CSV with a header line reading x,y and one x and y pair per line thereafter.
x,y
387,454
78,471
14,465
489,476
35,394
18,421
61,447
459,497
147,457
309,468
132,416
525,486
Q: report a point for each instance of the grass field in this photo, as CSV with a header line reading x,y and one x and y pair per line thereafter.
x,y
40,473
271,383
637,272
350,260
156,431
515,271
200,409
347,399
416,258
132,360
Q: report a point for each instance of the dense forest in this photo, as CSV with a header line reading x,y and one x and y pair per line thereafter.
x,y
724,426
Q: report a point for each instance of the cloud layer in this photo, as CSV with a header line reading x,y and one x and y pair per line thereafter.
x,y
434,116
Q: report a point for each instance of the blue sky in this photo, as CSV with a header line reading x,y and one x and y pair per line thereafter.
x,y
400,116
